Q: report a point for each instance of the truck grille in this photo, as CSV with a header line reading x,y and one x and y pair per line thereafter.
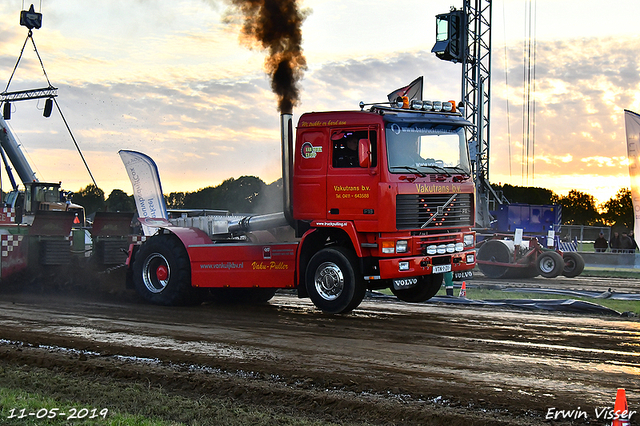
x,y
414,210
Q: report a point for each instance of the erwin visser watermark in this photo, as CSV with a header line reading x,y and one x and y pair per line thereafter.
x,y
600,413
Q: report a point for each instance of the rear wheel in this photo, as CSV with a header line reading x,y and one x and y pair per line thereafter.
x,y
573,264
427,287
162,272
333,281
550,264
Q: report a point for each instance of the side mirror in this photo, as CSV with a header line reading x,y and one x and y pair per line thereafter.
x,y
364,153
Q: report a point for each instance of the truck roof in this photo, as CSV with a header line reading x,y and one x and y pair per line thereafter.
x,y
379,115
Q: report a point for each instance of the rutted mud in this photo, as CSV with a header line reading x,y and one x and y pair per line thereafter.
x,y
424,364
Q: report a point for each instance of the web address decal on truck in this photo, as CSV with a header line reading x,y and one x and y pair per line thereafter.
x,y
341,224
222,265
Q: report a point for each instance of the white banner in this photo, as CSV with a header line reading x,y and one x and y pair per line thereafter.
x,y
147,191
632,125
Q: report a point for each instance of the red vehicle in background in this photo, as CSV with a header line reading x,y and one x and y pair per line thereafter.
x,y
373,199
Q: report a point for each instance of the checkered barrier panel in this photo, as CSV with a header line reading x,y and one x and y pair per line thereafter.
x,y
8,215
8,242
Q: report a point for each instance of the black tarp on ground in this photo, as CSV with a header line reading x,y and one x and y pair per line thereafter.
x,y
609,294
566,305
563,305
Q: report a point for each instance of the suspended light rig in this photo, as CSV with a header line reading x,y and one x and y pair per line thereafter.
x,y
33,20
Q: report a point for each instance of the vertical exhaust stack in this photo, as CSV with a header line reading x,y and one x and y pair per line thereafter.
x,y
286,130
276,27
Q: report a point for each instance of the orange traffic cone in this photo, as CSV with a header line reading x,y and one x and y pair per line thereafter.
x,y
621,410
463,290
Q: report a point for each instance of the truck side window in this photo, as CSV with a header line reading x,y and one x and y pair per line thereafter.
x,y
345,147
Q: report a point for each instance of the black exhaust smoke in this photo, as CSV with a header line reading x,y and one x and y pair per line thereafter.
x,y
276,25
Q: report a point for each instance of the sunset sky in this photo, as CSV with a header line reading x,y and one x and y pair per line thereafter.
x,y
170,78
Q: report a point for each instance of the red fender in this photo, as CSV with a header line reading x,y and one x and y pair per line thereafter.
x,y
346,226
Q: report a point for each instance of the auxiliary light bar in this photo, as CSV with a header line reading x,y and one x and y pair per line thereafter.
x,y
418,105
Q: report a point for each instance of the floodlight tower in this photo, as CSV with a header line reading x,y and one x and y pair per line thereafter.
x,y
464,36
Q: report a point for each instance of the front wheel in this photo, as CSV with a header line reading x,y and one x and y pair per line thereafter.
x,y
333,282
550,264
162,272
427,287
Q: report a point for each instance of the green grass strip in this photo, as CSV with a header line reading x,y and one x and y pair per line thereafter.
x,y
29,389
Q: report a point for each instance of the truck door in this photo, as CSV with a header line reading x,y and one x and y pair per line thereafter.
x,y
352,188
310,176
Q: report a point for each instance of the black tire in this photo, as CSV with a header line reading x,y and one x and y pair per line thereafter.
x,y
333,281
573,264
162,272
549,264
494,251
239,296
427,287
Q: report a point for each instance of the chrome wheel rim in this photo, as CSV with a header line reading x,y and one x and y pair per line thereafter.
x,y
329,281
156,273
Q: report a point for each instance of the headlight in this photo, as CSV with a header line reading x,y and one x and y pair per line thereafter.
x,y
442,249
403,266
451,248
459,246
468,240
432,249
402,246
470,258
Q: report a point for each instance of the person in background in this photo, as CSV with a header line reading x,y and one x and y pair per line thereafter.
x,y
615,243
626,245
633,240
600,244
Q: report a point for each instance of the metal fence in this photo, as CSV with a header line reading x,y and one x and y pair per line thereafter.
x,y
581,238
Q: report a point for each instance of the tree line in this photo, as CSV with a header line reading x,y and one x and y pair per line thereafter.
x,y
249,194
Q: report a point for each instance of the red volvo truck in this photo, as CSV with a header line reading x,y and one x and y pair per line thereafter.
x,y
373,198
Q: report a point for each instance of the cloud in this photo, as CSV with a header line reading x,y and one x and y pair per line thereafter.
x,y
582,88
199,103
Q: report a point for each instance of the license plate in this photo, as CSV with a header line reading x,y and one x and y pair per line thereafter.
x,y
437,269
401,283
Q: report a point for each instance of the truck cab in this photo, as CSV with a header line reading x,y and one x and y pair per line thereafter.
x,y
394,186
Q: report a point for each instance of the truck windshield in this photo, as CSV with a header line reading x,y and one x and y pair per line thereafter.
x,y
427,148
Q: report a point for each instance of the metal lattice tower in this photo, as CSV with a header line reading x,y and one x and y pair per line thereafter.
x,y
476,94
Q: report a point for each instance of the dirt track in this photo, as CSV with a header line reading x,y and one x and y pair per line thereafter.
x,y
388,362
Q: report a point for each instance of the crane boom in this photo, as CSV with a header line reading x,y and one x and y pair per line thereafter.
x,y
11,147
